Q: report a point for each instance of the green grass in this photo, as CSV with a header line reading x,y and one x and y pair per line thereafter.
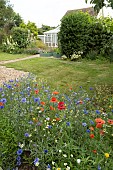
x,y
60,73
6,56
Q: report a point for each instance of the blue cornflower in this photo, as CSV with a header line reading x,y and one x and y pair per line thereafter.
x,y
18,163
30,122
85,111
37,99
36,161
3,94
57,115
23,100
97,111
84,124
99,168
18,158
112,111
38,124
1,89
48,166
87,99
49,127
3,100
68,123
28,88
9,86
19,151
1,107
88,130
91,122
77,102
45,151
26,134
46,91
11,81
91,88
80,86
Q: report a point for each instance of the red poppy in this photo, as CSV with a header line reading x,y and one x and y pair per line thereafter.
x,y
42,103
92,136
94,151
36,84
91,128
99,122
1,104
52,108
110,121
55,92
81,102
70,88
17,85
61,106
42,109
36,91
99,125
57,119
54,100
102,132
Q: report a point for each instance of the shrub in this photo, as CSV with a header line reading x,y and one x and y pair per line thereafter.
x,y
20,36
81,32
31,51
74,33
9,46
100,39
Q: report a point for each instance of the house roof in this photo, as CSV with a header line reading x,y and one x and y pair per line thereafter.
x,y
56,30
90,10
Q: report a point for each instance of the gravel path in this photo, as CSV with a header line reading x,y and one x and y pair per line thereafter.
x,y
7,74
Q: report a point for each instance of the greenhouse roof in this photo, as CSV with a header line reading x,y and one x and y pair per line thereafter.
x,y
56,30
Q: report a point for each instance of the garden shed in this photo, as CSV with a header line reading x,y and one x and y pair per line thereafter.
x,y
51,37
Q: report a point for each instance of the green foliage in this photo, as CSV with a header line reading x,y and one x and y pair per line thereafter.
x,y
6,12
81,32
100,39
20,36
44,28
33,28
31,51
17,20
100,4
74,32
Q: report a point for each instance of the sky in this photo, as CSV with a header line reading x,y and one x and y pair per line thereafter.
x,y
47,12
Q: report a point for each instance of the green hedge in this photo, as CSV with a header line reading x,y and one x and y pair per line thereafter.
x,y
81,32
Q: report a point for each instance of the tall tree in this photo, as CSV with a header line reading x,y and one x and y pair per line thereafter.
x,y
6,12
99,4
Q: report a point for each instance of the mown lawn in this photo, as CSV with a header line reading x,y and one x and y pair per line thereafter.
x,y
60,73
6,56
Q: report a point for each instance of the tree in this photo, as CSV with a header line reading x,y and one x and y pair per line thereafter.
x,y
99,4
33,28
17,19
6,13
44,28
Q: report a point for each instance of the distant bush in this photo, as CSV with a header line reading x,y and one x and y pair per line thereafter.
x,y
20,37
41,45
31,51
81,32
74,33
